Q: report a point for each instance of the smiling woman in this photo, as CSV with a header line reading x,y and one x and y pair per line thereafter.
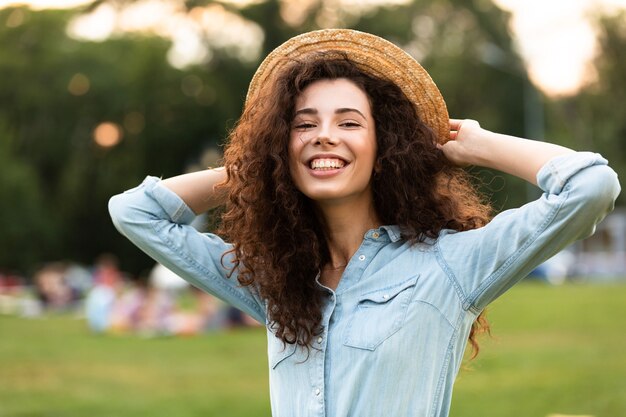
x,y
387,150
353,232
332,148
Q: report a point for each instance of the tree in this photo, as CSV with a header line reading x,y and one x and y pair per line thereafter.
x,y
594,119
23,213
51,119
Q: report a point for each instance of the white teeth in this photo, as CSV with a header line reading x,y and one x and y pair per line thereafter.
x,y
327,164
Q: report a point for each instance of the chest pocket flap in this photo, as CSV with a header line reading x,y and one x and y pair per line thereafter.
x,y
379,314
277,351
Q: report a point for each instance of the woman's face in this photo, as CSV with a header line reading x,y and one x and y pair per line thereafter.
x,y
332,146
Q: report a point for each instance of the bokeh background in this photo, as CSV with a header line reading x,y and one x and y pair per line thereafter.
x,y
95,95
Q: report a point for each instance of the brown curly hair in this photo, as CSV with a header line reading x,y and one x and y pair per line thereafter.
x,y
278,239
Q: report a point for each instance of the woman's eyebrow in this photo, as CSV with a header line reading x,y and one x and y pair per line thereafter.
x,y
349,110
306,111
341,110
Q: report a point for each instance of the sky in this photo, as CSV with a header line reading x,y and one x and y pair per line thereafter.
x,y
555,37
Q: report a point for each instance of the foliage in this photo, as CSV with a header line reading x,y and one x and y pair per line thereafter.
x,y
47,134
25,231
595,118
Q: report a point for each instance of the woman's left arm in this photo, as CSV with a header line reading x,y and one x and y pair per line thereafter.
x,y
472,145
579,190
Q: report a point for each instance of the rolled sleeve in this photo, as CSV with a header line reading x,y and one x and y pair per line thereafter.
x,y
553,176
579,190
174,206
158,221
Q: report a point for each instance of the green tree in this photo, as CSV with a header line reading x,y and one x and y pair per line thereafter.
x,y
25,231
594,119
126,81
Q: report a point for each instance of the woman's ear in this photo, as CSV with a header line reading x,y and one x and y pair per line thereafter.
x,y
378,166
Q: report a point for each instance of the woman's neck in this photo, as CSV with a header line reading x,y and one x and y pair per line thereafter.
x,y
346,224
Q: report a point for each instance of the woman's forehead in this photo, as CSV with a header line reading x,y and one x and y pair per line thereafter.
x,y
333,94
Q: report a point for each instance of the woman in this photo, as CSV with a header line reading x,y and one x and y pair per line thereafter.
x,y
355,236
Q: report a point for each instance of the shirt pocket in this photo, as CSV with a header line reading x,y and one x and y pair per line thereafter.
x,y
379,314
278,351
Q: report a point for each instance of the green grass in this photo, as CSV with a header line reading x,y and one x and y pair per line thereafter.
x,y
554,350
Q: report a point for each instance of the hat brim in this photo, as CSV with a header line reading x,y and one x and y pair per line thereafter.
x,y
374,56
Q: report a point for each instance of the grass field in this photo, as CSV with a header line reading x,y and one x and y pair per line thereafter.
x,y
554,350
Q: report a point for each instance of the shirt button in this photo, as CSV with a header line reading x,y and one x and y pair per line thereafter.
x,y
362,258
317,391
319,339
385,296
375,235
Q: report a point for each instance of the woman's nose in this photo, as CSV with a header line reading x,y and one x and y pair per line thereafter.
x,y
325,137
324,140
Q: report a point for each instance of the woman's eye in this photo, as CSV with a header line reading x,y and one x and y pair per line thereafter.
x,y
350,124
304,126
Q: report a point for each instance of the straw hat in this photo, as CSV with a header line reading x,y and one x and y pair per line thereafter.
x,y
373,55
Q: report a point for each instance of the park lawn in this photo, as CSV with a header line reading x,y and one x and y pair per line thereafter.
x,y
554,350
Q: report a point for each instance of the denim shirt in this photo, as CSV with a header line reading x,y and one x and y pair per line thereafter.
x,y
395,328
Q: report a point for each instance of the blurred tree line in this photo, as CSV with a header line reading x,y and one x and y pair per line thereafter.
x,y
56,90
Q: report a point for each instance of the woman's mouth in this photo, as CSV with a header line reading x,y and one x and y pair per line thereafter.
x,y
326,164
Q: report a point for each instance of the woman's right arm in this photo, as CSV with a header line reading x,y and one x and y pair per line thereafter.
x,y
156,217
199,189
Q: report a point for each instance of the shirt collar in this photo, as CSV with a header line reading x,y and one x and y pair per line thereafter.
x,y
393,232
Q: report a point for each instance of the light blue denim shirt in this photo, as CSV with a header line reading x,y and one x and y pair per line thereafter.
x,y
395,329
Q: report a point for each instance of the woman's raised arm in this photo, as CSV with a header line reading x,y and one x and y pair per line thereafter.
x,y
472,145
579,190
157,215
199,189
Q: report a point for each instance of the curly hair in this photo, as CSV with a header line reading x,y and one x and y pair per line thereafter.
x,y
278,239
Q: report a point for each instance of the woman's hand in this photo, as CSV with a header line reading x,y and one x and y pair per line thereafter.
x,y
470,144
464,143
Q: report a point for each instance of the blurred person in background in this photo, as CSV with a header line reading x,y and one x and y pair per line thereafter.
x,y
106,270
351,230
108,282
53,289
12,291
125,310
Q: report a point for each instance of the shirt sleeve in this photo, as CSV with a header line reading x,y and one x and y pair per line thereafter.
x,y
579,190
158,221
